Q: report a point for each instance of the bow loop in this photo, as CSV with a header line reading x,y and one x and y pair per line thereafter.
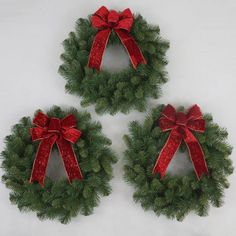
x,y
38,133
197,125
166,124
126,20
41,120
125,24
126,14
98,22
102,13
99,18
69,122
69,132
169,112
72,135
194,113
195,119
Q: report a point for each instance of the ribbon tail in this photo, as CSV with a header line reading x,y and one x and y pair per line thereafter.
x,y
134,52
196,154
69,159
41,160
98,48
167,153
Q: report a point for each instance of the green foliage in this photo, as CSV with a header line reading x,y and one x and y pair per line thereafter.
x,y
176,196
59,199
114,92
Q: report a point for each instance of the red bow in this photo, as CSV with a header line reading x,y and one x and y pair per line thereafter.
x,y
63,133
106,21
181,125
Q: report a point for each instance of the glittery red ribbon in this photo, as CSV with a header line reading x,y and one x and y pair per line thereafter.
x,y
180,126
51,131
106,21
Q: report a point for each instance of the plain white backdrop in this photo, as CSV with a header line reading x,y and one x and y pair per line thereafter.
x,y
202,70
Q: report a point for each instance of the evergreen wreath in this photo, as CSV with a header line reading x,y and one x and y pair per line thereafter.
x,y
120,91
59,199
176,196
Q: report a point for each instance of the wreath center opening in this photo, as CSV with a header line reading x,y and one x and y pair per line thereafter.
x,y
55,168
115,59
180,165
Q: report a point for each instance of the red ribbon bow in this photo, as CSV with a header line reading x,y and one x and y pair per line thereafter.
x,y
180,126
63,133
106,21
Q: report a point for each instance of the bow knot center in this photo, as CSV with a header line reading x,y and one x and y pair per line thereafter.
x,y
54,126
181,119
113,18
181,122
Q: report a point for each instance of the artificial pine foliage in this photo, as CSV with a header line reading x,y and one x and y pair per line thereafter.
x,y
176,196
121,91
59,199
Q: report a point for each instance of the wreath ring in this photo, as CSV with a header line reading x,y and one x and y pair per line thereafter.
x,y
120,91
58,199
176,196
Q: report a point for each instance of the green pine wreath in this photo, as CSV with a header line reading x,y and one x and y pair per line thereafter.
x,y
121,91
176,196
59,199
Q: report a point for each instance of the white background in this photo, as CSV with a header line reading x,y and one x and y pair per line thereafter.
x,y
202,70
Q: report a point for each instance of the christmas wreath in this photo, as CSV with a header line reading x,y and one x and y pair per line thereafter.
x,y
151,147
86,156
120,91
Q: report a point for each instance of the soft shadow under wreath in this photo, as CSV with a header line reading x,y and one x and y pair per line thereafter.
x,y
119,91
